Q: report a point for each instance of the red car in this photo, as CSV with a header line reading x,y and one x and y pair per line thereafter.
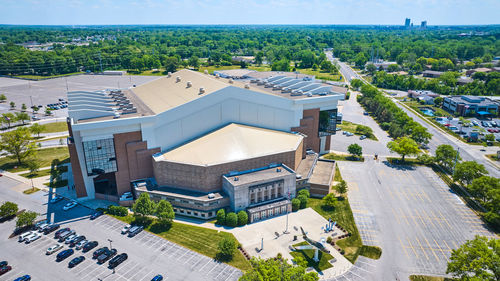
x,y
447,125
5,269
490,130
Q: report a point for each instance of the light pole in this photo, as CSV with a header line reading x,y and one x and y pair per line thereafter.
x,y
111,248
286,229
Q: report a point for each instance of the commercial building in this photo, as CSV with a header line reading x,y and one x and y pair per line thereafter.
x,y
185,136
471,106
432,74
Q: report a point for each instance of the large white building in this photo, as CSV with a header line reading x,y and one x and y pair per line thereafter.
x,y
119,137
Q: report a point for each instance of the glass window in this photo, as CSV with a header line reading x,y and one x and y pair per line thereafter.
x,y
100,157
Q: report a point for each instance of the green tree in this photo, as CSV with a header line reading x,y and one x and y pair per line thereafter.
x,y
355,150
194,61
259,58
281,65
277,269
3,98
8,118
342,187
242,218
8,209
356,83
22,116
226,247
485,188
438,101
143,206
23,107
231,219
12,105
171,64
329,201
466,172
371,68
26,219
304,192
164,212
489,137
420,135
303,201
403,146
295,204
477,259
48,111
446,156
221,217
360,60
37,129
18,144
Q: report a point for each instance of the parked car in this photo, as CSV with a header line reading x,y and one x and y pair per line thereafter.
x,y
125,229
50,228
34,118
99,252
54,248
362,137
23,278
106,256
3,263
80,244
365,113
89,246
349,134
76,240
65,235
76,261
23,236
133,231
5,269
39,223
56,199
61,231
114,262
157,278
70,238
64,254
35,236
42,227
96,215
69,205
494,123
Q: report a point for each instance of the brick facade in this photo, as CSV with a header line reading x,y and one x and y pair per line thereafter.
x,y
75,165
309,125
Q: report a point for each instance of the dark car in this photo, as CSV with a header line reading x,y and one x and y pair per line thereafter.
x,y
157,278
76,240
23,278
114,262
96,215
133,231
74,262
3,263
99,252
64,254
51,228
106,256
89,246
5,269
60,231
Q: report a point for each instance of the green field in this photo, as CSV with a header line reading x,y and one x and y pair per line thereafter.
x,y
353,128
44,157
199,239
40,173
321,75
308,255
338,157
55,127
39,77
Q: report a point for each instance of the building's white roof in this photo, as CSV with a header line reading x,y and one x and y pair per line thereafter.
x,y
231,143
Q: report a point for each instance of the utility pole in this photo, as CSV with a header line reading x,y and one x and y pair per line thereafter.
x,y
67,88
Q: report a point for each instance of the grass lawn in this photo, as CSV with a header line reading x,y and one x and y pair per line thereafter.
x,y
41,173
38,77
429,278
213,68
55,127
493,157
337,176
44,157
320,74
353,128
338,157
199,239
308,256
31,190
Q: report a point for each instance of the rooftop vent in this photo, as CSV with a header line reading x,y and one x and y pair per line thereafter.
x,y
278,170
297,176
202,91
211,196
169,74
178,79
217,75
230,81
236,178
206,71
247,86
189,84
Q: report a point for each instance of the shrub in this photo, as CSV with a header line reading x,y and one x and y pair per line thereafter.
x,y
8,209
304,192
231,219
118,211
295,204
329,239
226,248
221,217
303,201
242,218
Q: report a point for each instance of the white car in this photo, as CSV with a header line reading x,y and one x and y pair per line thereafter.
x,y
42,227
69,238
38,224
70,205
23,236
80,244
33,237
125,229
54,249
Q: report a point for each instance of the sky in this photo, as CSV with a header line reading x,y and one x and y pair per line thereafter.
x,y
382,12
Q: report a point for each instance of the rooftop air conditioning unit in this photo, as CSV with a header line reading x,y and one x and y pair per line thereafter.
x,y
189,84
202,91
236,179
169,74
206,71
217,75
230,81
211,196
178,79
247,86
278,170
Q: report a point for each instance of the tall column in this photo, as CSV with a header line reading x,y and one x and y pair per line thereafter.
x,y
276,192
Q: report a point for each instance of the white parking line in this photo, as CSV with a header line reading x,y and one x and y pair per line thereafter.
x,y
188,259
154,244
180,257
146,275
205,265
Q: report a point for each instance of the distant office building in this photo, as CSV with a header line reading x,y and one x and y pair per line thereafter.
x,y
407,23
471,106
423,25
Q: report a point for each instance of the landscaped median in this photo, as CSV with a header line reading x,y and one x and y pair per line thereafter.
x,y
44,158
358,129
308,256
199,239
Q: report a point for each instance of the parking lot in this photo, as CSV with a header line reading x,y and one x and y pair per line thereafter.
x,y
148,254
49,91
411,214
456,126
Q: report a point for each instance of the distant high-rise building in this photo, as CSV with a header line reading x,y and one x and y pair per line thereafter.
x,y
407,23
423,24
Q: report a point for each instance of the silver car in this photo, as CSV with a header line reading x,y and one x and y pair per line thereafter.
x,y
69,238
80,244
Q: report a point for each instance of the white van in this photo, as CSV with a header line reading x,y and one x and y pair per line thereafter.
x,y
23,236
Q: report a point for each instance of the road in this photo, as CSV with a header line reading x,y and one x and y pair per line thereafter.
x,y
346,70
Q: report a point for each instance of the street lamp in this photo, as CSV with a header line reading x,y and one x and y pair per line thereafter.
x,y
110,246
